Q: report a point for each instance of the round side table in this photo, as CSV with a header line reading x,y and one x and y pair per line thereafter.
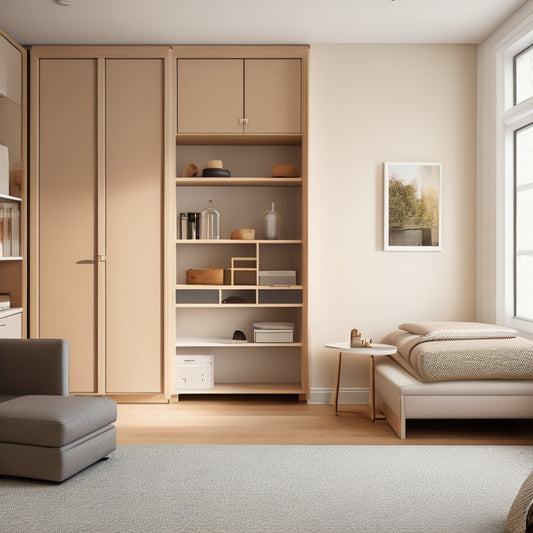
x,y
372,350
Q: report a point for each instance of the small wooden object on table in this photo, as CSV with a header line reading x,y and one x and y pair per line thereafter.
x,y
372,350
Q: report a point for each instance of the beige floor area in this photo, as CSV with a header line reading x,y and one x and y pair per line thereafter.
x,y
257,420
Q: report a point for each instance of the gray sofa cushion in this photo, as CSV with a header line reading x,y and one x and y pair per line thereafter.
x,y
53,420
34,366
5,397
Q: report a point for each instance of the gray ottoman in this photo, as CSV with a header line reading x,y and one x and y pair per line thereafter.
x,y
53,437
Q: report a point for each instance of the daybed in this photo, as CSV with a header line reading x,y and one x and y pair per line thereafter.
x,y
44,433
454,370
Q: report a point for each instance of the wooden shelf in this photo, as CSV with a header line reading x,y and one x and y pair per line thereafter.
x,y
215,342
11,258
11,198
239,305
239,181
249,388
237,287
238,241
244,139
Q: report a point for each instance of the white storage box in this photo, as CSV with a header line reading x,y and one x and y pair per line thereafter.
x,y
277,277
273,332
194,372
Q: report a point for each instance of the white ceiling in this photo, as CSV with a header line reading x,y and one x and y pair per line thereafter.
x,y
252,21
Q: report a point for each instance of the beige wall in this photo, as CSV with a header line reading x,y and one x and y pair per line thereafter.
x,y
370,104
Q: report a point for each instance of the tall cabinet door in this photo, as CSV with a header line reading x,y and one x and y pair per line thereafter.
x,y
134,239
67,212
99,156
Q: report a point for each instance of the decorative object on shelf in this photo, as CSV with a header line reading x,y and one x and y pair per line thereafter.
x,y
5,301
412,207
285,170
4,169
235,300
243,234
194,372
355,339
277,278
271,223
213,169
366,343
182,226
239,336
15,183
210,223
216,173
206,276
9,229
190,170
193,225
273,332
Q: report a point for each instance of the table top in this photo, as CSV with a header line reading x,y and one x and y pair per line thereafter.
x,y
373,349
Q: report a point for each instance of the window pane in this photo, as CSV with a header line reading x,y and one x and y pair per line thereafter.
x,y
524,287
524,157
524,75
524,222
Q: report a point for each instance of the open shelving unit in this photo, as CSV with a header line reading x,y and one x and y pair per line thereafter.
x,y
208,315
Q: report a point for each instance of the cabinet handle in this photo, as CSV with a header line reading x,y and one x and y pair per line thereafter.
x,y
85,262
243,121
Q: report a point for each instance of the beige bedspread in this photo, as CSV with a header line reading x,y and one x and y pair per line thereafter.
x,y
440,351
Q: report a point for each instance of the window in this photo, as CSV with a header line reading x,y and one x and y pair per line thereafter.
x,y
523,223
519,177
523,75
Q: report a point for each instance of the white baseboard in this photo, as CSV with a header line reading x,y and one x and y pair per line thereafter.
x,y
346,395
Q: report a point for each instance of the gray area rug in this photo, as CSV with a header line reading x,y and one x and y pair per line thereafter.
x,y
190,488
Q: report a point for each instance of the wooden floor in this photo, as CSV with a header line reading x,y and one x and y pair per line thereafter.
x,y
257,420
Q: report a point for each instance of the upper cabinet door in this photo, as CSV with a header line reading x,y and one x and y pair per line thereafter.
x,y
239,96
210,96
273,89
10,71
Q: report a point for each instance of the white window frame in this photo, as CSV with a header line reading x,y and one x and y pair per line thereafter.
x,y
498,118
514,118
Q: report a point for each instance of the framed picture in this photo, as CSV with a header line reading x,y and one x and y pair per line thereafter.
x,y
412,206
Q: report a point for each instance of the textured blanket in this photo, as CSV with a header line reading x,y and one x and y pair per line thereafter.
x,y
442,351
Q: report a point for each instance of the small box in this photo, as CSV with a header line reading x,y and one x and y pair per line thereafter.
x,y
273,332
194,372
277,277
5,301
206,276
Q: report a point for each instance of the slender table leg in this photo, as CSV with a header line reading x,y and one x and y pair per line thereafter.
x,y
372,391
337,381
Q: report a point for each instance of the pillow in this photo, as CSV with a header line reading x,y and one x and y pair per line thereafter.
x,y
520,516
437,331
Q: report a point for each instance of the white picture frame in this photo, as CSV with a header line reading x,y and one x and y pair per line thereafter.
x,y
412,207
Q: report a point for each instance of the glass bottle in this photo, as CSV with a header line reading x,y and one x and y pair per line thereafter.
x,y
210,223
271,224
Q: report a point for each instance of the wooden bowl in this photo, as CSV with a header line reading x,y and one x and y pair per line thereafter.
x,y
244,234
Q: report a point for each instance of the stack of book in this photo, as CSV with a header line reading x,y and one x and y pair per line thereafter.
x,y
9,229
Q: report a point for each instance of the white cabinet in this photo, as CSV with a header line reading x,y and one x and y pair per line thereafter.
x,y
11,324
13,266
